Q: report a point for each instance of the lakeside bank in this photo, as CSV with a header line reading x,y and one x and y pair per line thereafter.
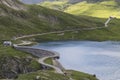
x,y
43,55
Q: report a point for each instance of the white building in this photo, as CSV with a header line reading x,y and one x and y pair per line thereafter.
x,y
7,43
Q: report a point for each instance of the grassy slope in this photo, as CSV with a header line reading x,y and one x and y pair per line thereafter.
x,y
102,9
57,5
11,52
49,75
109,33
28,22
37,20
10,57
49,61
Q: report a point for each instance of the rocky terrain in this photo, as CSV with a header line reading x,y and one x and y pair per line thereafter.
x,y
14,4
11,67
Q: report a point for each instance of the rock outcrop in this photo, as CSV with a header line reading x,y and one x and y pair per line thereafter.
x,y
14,4
11,67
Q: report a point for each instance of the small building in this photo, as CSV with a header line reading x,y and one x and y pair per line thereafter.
x,y
7,43
112,17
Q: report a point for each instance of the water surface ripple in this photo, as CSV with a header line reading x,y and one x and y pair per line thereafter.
x,y
100,58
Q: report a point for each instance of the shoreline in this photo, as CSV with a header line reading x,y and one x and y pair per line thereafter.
x,y
57,66
43,55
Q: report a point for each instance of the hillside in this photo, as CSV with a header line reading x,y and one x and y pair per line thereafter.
x,y
89,1
50,75
37,1
56,5
102,9
36,19
94,8
69,1
17,19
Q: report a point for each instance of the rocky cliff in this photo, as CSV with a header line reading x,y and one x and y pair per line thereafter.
x,y
11,67
14,4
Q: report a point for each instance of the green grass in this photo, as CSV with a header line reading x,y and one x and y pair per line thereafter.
x,y
38,19
14,60
49,75
57,5
9,51
49,61
44,75
80,75
102,9
35,65
104,34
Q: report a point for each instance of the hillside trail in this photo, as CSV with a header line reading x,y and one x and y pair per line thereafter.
x,y
57,69
39,34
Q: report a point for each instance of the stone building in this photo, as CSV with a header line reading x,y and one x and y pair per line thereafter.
x,y
7,43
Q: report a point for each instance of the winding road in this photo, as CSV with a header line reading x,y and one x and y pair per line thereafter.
x,y
41,60
32,35
42,55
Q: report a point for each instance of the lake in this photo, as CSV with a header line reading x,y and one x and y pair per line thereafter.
x,y
100,58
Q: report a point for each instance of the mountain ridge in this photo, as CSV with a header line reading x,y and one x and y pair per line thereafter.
x,y
93,8
102,9
37,19
13,4
69,1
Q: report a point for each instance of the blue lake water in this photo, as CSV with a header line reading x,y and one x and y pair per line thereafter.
x,y
100,58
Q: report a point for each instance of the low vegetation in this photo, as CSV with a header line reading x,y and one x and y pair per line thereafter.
x,y
37,19
57,5
49,61
105,33
94,8
49,75
102,9
13,63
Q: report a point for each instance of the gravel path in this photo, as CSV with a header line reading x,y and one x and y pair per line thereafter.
x,y
32,35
